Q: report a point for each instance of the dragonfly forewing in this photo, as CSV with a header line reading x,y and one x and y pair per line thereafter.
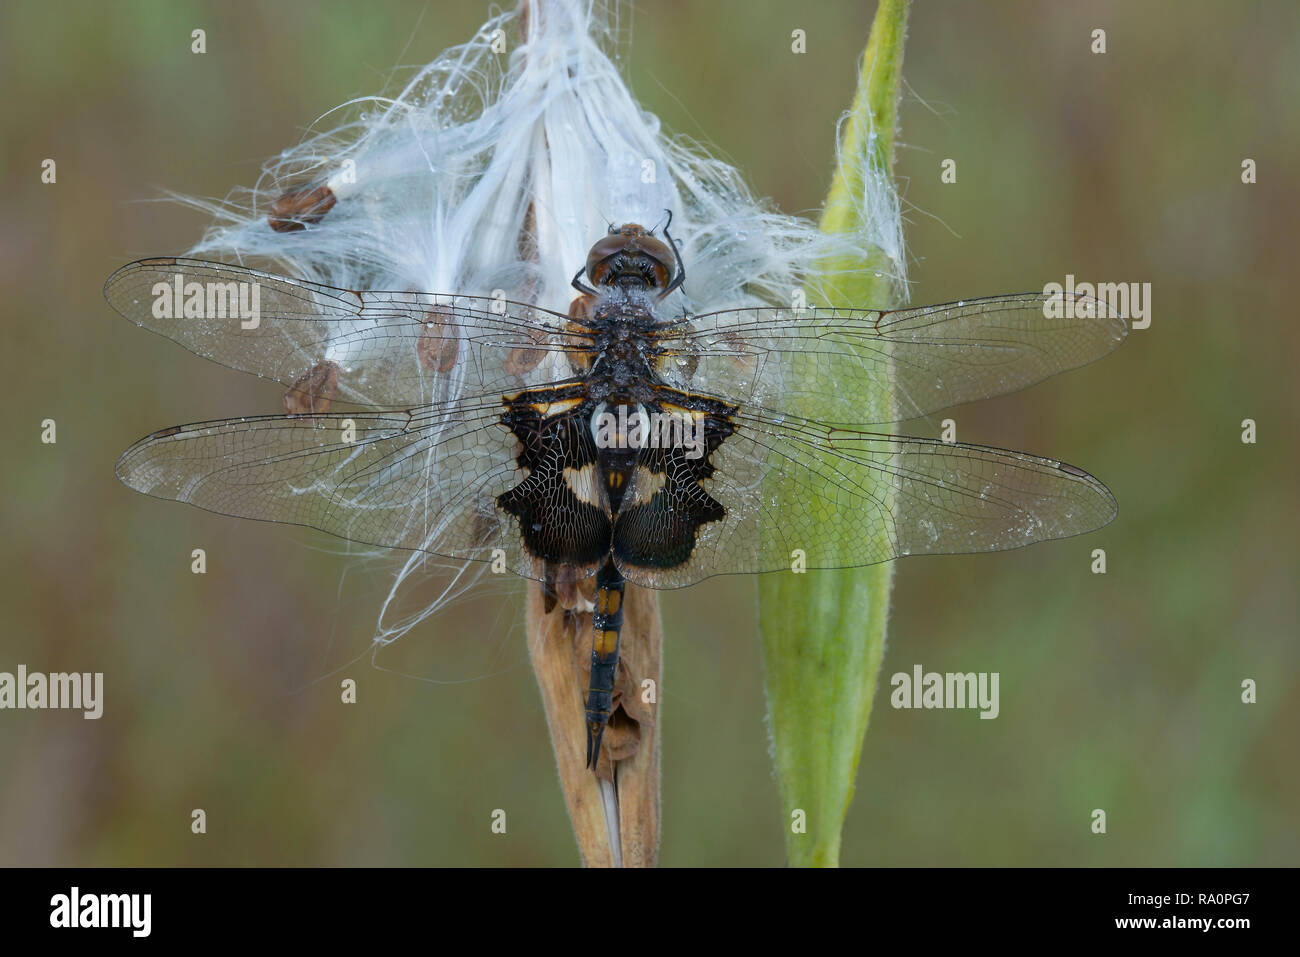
x,y
821,363
377,348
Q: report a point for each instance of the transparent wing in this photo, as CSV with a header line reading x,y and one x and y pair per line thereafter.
x,y
816,362
382,349
424,479
845,498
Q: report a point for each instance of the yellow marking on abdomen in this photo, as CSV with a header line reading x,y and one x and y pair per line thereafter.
x,y
608,601
606,642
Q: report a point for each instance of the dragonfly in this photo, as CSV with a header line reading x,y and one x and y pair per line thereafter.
x,y
614,441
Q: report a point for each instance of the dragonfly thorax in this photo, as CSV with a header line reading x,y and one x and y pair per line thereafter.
x,y
623,322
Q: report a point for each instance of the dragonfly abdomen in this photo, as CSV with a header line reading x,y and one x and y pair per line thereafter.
x,y
607,622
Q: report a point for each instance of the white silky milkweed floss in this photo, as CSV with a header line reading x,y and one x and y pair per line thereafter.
x,y
435,185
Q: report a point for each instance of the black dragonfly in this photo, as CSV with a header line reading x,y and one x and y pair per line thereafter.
x,y
613,441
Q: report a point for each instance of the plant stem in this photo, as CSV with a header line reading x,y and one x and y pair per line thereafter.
x,y
824,631
622,797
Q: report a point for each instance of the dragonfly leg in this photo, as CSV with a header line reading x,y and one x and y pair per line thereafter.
x,y
681,269
581,286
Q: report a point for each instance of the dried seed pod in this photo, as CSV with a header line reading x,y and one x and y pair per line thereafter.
x,y
314,390
521,361
298,207
438,346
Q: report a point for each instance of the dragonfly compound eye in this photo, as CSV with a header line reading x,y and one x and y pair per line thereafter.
x,y
630,251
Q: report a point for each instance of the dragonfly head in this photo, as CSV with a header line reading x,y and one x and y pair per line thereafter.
x,y
630,257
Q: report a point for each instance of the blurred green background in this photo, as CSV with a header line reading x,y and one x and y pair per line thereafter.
x,y
1119,691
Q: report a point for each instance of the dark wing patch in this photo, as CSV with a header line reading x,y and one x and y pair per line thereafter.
x,y
666,505
561,505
